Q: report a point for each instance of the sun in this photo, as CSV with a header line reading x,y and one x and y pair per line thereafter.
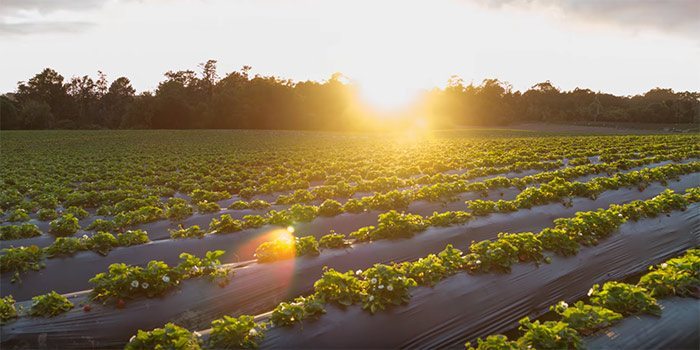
x,y
387,93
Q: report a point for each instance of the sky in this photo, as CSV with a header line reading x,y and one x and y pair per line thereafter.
x,y
390,49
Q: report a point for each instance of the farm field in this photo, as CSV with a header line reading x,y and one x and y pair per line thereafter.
x,y
497,239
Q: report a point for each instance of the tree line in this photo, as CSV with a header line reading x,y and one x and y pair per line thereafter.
x,y
188,100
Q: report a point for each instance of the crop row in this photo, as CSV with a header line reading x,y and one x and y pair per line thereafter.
x,y
608,304
382,286
391,224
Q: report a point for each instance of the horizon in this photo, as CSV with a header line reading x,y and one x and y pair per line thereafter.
x,y
619,48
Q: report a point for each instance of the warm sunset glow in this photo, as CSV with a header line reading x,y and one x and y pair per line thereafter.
x,y
391,49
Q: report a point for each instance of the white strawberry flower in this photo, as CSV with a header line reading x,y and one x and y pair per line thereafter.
x,y
252,332
358,272
166,279
135,284
390,287
371,297
478,262
197,334
373,281
664,265
564,304
144,285
381,286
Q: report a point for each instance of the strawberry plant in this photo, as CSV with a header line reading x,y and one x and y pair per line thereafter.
x,y
385,286
77,212
494,342
102,242
191,232
586,319
7,309
393,224
330,208
102,225
9,232
171,336
624,298
287,314
548,335
235,333
179,211
679,276
225,224
204,207
253,221
449,218
65,225
49,305
132,237
21,259
18,214
239,205
333,241
66,246
336,287
426,271
46,214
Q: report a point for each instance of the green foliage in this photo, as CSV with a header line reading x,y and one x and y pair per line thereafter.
x,y
132,237
239,205
208,207
236,333
393,224
225,224
679,276
253,221
49,305
330,208
494,342
624,298
586,319
385,286
333,241
191,232
548,335
7,309
18,214
9,232
77,212
336,287
65,225
123,282
46,214
102,225
449,218
171,337
102,242
286,248
21,259
179,211
66,246
288,314
200,195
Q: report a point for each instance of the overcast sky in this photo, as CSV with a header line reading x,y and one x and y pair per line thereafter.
x,y
387,47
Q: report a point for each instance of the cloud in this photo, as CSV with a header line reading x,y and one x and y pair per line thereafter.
x,y
676,16
43,27
13,7
26,17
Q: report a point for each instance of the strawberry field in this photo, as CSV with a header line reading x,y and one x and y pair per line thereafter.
x,y
273,239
